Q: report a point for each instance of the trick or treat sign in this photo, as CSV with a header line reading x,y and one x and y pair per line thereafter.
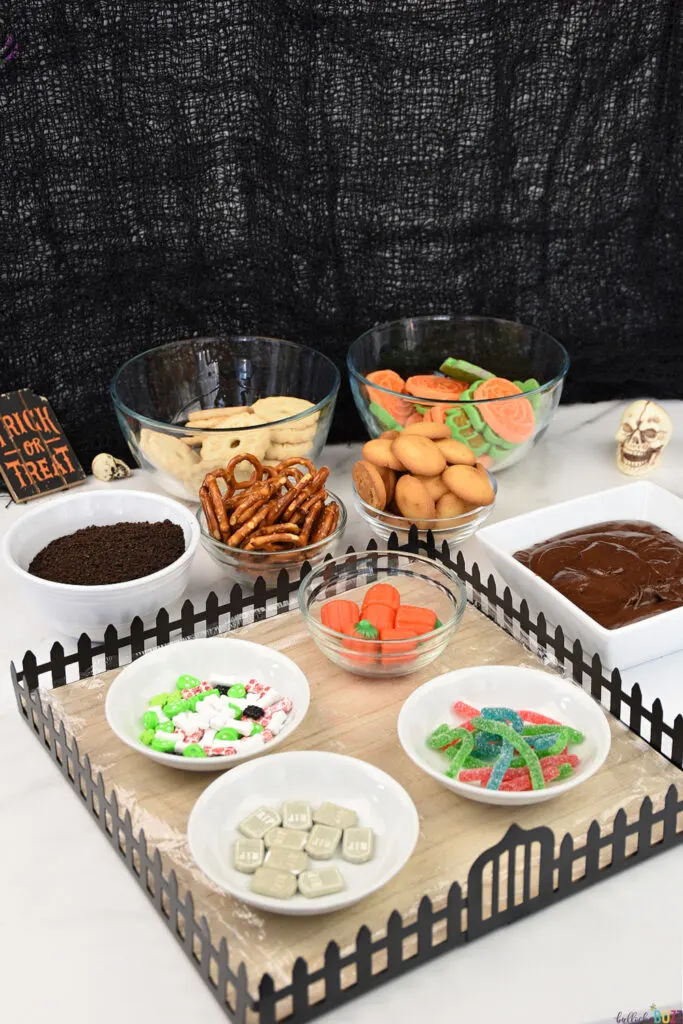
x,y
35,456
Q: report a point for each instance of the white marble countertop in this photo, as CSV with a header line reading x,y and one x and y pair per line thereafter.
x,y
79,943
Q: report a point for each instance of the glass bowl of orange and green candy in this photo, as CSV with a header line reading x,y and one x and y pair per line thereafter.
x,y
382,614
495,383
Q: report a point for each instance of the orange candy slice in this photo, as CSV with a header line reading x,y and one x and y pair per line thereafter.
x,y
513,420
397,407
430,386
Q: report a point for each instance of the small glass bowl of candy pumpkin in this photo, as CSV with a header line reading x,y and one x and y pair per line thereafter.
x,y
382,613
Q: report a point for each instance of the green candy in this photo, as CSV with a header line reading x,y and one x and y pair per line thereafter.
x,y
385,418
441,737
496,441
147,737
460,369
186,682
237,690
464,749
236,709
228,734
506,732
565,771
256,728
530,385
159,700
532,729
165,727
194,750
150,719
192,701
165,746
366,630
174,707
438,624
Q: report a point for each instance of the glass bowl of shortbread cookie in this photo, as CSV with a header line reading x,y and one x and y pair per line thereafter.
x,y
189,407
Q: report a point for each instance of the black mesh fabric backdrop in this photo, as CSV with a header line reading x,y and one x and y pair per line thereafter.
x,y
306,169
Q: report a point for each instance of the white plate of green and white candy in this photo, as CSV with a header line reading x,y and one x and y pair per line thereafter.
x,y
304,832
204,705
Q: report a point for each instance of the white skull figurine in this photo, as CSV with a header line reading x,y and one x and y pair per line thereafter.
x,y
106,467
644,432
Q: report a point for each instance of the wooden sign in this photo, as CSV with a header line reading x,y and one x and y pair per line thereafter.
x,y
35,456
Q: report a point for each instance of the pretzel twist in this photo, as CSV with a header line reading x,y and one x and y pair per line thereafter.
x,y
207,506
279,508
211,484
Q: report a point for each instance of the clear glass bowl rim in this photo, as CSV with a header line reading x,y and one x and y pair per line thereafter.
x,y
310,548
175,428
451,318
457,522
447,627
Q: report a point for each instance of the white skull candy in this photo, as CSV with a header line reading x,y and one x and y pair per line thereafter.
x,y
644,432
106,467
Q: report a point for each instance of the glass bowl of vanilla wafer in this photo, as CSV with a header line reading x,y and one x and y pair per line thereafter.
x,y
189,407
273,518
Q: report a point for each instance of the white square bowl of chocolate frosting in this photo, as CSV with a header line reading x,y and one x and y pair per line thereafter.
x,y
607,568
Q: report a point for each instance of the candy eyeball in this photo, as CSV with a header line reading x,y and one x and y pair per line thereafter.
x,y
105,467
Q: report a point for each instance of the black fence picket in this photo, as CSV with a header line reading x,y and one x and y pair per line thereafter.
x,y
137,638
464,918
85,662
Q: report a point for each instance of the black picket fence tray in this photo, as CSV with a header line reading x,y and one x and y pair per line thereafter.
x,y
655,831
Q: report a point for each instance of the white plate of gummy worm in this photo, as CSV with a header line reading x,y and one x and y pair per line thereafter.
x,y
205,705
304,832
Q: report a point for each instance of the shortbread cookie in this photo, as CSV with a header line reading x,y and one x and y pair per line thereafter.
x,y
222,412
298,432
219,448
280,452
280,407
168,453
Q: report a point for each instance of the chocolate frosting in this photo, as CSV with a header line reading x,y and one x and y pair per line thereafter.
x,y
617,572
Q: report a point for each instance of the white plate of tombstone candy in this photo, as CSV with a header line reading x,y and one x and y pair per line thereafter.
x,y
303,832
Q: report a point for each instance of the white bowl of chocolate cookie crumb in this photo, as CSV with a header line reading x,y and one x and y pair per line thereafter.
x,y
97,558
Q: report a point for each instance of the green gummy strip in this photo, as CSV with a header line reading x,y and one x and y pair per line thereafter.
x,y
474,761
385,418
573,735
440,737
519,743
495,439
464,750
460,369
565,771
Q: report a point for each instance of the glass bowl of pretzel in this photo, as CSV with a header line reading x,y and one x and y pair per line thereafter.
x,y
189,407
276,518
